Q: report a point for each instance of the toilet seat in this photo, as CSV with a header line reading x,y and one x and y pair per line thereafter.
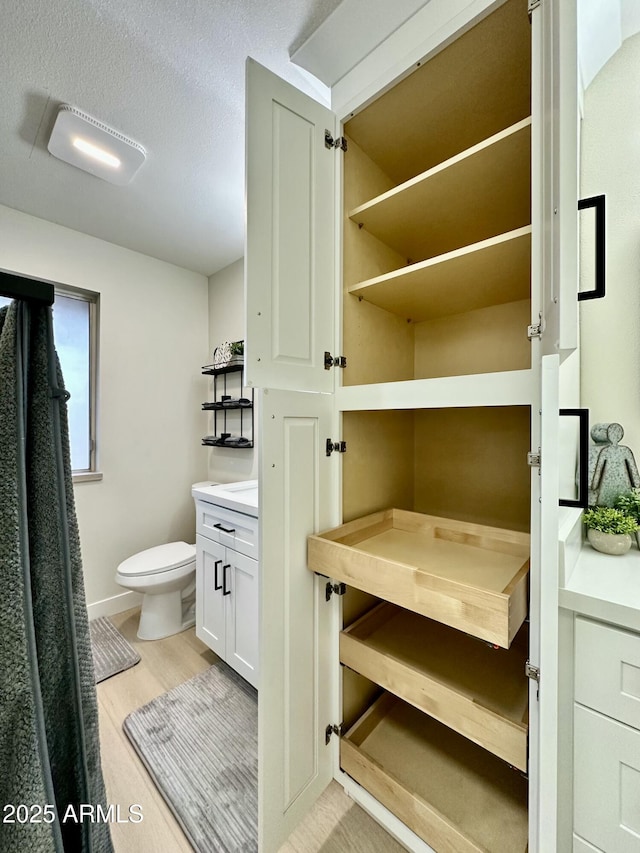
x,y
162,558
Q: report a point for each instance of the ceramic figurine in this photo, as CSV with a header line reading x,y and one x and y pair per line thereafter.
x,y
612,468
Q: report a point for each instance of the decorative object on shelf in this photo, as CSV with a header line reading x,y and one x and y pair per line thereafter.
x,y
629,503
228,353
609,530
612,467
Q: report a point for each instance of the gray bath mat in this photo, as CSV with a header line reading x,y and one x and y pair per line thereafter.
x,y
111,652
199,743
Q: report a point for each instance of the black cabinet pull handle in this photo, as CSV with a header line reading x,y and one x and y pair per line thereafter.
x,y
597,201
583,460
225,529
225,591
217,585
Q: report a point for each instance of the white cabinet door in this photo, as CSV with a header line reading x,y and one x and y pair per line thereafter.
x,y
290,251
543,617
555,172
210,605
298,664
240,591
607,782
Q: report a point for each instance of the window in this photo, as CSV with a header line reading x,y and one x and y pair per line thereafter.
x,y
75,329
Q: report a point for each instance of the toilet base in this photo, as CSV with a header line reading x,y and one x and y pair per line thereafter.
x,y
162,616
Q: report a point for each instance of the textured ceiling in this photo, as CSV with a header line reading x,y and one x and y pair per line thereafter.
x,y
167,73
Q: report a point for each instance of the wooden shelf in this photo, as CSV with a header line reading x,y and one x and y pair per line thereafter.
x,y
492,272
468,576
475,195
511,388
453,794
479,691
463,94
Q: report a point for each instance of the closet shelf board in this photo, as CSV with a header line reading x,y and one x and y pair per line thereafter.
x,y
491,272
479,691
468,576
509,388
480,193
453,794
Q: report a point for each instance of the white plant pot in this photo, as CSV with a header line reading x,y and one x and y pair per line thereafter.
x,y
609,543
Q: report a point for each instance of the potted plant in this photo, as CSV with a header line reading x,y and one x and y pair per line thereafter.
x,y
629,503
609,530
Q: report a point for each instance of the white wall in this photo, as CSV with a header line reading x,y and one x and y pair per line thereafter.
x,y
227,323
610,327
153,340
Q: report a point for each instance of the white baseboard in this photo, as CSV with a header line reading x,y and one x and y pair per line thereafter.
x,y
115,604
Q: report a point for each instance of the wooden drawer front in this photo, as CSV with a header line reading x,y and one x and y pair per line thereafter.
x,y
480,692
469,576
608,671
233,529
450,792
606,782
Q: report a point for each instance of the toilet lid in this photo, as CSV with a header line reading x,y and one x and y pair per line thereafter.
x,y
158,559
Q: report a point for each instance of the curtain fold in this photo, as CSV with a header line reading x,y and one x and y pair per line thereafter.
x,y
49,741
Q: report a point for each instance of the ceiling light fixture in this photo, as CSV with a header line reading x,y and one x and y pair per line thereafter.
x,y
90,145
97,153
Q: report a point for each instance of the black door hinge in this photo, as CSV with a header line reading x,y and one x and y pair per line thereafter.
x,y
337,446
340,142
330,361
332,730
334,588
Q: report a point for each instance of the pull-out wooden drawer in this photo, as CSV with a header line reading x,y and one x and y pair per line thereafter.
x,y
455,795
468,576
233,529
606,782
607,670
480,692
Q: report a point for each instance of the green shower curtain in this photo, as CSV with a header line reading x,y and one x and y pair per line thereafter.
x,y
49,745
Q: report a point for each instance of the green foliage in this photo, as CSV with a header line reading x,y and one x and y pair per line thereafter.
x,y
237,348
609,520
629,503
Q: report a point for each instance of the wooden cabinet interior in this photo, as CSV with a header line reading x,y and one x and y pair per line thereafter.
x,y
464,463
436,284
437,207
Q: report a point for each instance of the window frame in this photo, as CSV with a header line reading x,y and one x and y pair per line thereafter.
x,y
91,473
92,298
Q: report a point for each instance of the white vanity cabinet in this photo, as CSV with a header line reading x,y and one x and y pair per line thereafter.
x,y
227,581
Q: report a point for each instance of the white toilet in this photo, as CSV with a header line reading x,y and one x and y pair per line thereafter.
x,y
166,575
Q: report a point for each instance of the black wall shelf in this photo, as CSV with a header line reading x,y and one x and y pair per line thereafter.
x,y
235,431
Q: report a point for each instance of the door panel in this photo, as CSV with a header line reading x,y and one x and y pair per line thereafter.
x,y
242,615
210,605
297,679
289,258
607,782
554,172
543,629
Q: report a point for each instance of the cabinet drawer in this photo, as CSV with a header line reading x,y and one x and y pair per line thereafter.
x,y
450,792
468,576
478,691
233,529
607,676
606,782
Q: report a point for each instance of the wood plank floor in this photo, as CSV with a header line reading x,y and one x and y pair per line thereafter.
x,y
335,825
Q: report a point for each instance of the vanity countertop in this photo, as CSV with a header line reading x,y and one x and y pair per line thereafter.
x,y
241,497
600,585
